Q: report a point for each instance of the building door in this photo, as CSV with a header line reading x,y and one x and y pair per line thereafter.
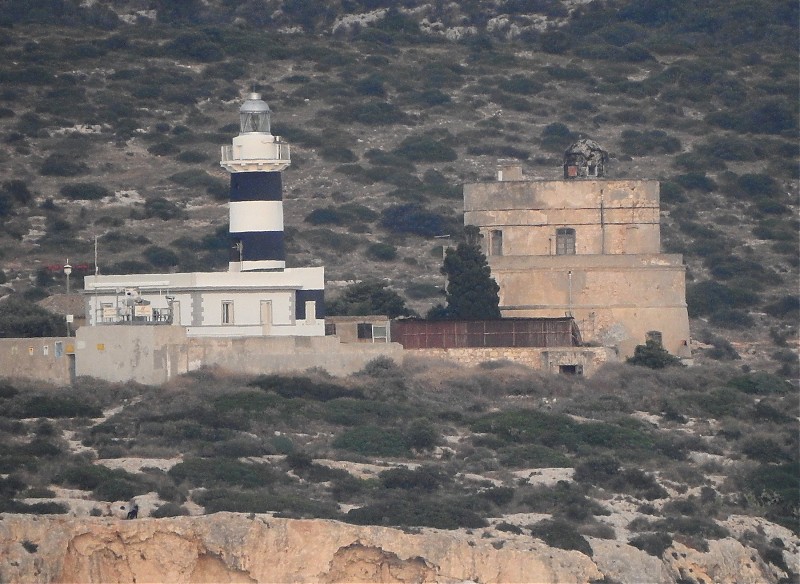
x,y
266,316
176,313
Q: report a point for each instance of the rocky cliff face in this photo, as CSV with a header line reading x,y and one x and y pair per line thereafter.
x,y
228,547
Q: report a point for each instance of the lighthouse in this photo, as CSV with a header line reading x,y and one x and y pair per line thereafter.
x,y
255,160
258,296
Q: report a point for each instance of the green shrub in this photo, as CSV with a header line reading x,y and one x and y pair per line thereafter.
x,y
731,318
423,478
413,218
327,239
382,252
372,440
163,149
426,148
20,317
208,472
654,544
162,208
264,501
161,257
365,298
422,435
60,164
653,355
648,142
304,387
695,181
533,456
337,154
51,406
85,192
705,297
439,513
562,535
784,306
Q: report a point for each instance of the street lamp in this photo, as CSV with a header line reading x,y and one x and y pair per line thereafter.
x,y
444,250
67,272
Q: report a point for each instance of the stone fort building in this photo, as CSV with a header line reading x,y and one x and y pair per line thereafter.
x,y
584,246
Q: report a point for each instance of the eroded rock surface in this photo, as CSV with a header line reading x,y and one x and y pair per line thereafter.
x,y
229,547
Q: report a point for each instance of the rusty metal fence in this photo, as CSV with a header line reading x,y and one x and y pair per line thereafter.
x,y
507,332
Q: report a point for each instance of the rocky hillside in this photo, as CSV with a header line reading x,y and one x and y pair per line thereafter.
x,y
112,114
420,472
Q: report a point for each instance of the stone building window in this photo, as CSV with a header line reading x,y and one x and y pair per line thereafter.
x,y
364,330
654,336
496,242
330,329
565,241
227,312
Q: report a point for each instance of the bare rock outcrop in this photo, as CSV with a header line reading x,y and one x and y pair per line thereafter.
x,y
229,547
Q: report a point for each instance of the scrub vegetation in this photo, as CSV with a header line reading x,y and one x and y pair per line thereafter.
x,y
424,444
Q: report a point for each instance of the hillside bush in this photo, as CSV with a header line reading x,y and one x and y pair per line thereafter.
x,y
561,534
62,164
304,387
20,317
85,191
703,298
372,440
654,544
416,219
653,355
426,148
382,252
161,257
731,318
333,241
647,142
216,472
162,208
365,298
421,479
439,512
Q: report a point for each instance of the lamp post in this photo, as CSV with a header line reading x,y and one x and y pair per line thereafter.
x,y
67,272
444,250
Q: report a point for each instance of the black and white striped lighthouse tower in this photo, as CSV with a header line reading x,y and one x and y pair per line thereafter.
x,y
255,161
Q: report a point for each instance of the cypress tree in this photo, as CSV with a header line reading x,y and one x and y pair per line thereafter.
x,y
472,293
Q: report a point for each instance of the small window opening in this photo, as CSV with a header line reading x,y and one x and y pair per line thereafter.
x,y
565,241
654,336
496,243
364,330
571,369
330,329
227,312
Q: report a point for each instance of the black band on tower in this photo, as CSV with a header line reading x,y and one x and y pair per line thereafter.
x,y
256,246
255,186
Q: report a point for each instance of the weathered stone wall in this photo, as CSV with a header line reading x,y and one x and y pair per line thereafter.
x,y
609,216
617,284
542,359
37,358
615,300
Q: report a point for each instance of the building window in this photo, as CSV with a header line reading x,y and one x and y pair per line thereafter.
x,y
654,336
227,312
46,350
565,241
380,333
364,330
330,329
496,242
570,369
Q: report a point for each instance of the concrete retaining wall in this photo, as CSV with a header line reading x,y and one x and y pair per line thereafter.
x,y
589,359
